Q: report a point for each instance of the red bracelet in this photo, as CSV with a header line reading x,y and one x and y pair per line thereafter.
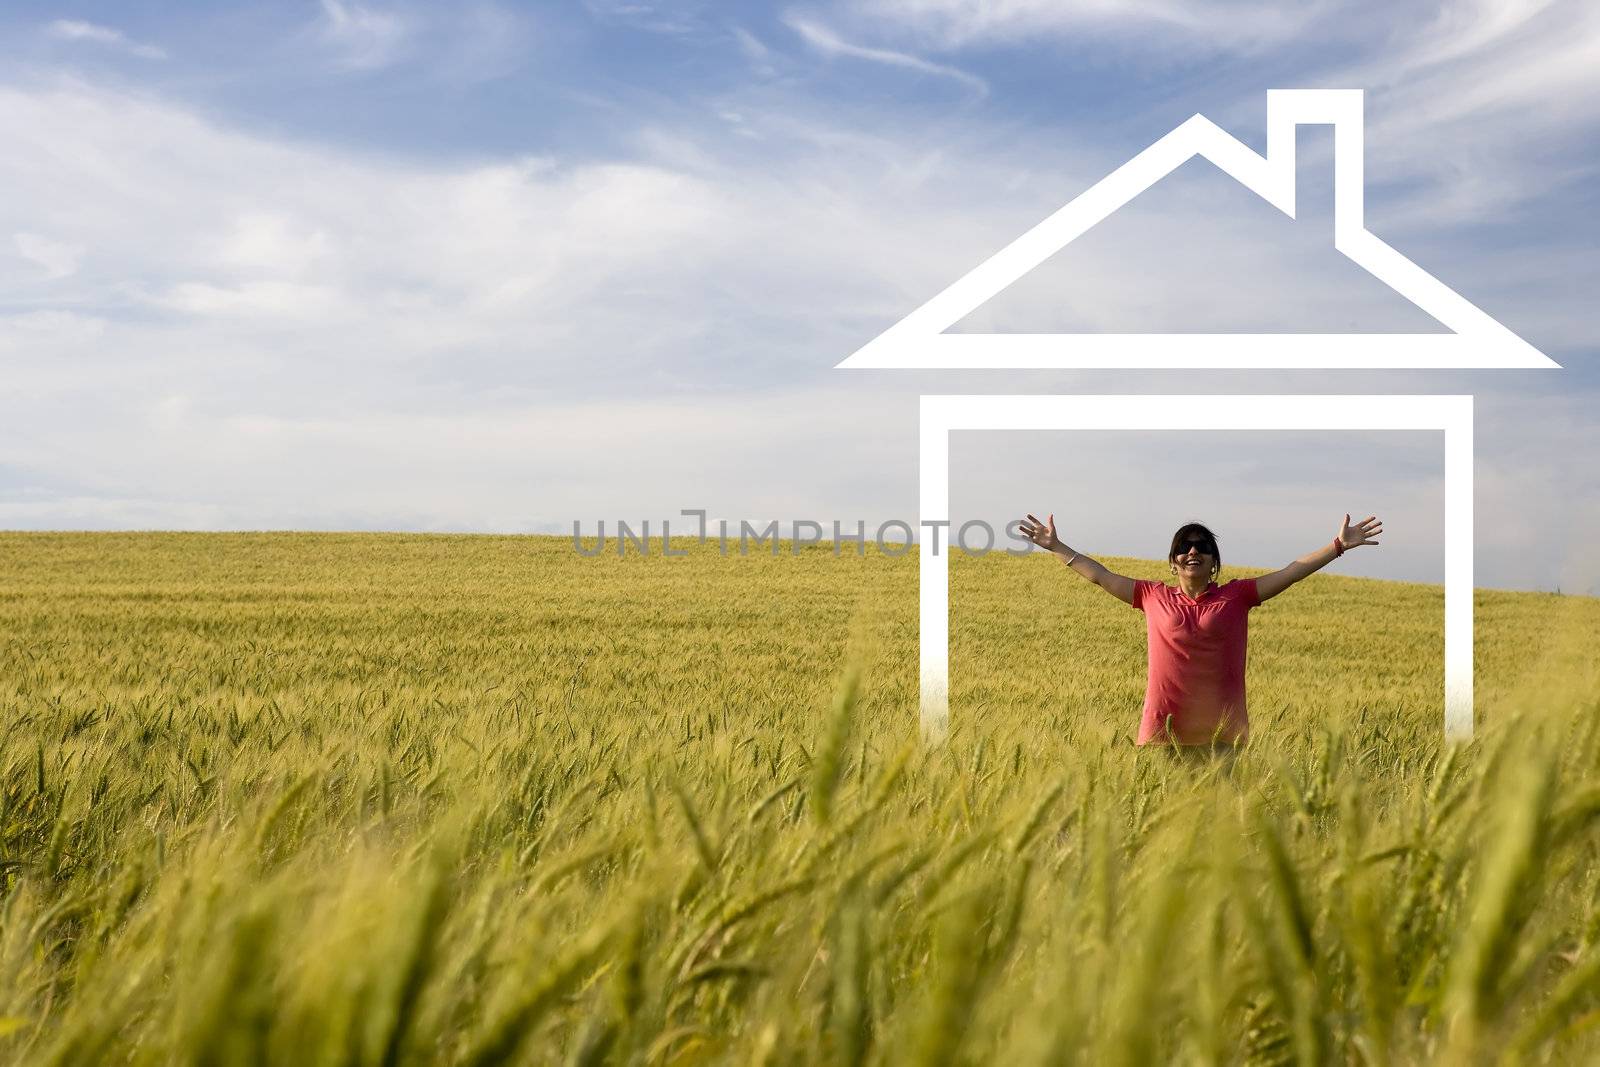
x,y
1338,548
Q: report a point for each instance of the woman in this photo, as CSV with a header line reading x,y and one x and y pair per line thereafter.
x,y
1196,631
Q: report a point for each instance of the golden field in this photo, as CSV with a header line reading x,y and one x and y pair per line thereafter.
x,y
396,799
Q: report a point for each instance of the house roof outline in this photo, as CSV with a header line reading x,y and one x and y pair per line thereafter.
x,y
1476,340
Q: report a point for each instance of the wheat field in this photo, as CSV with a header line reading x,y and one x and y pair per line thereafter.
x,y
394,799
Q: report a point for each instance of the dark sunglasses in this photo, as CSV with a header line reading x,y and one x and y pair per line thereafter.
x,y
1208,548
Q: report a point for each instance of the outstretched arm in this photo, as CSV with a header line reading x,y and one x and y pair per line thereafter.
x,y
1362,533
1044,535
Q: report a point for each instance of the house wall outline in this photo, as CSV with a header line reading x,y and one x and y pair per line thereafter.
x,y
941,414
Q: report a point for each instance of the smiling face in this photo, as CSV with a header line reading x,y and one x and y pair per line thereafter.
x,y
1195,557
1194,553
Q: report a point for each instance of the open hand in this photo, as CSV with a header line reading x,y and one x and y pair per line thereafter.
x,y
1361,533
1041,534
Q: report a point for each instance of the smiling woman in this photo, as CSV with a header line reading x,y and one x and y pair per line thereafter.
x,y
1197,631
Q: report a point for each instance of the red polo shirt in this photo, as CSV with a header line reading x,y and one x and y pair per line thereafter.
x,y
1196,673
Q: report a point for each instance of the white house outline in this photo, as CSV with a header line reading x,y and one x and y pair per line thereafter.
x,y
939,415
1477,342
918,341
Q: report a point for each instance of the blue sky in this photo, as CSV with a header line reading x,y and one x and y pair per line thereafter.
x,y
345,265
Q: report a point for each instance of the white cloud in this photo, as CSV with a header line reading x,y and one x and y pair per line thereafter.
x,y
274,243
751,45
761,58
56,258
829,43
363,37
673,17
79,30
1465,27
454,44
46,333
954,24
1515,69
279,300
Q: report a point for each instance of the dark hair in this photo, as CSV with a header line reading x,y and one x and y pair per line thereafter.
x,y
1191,528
